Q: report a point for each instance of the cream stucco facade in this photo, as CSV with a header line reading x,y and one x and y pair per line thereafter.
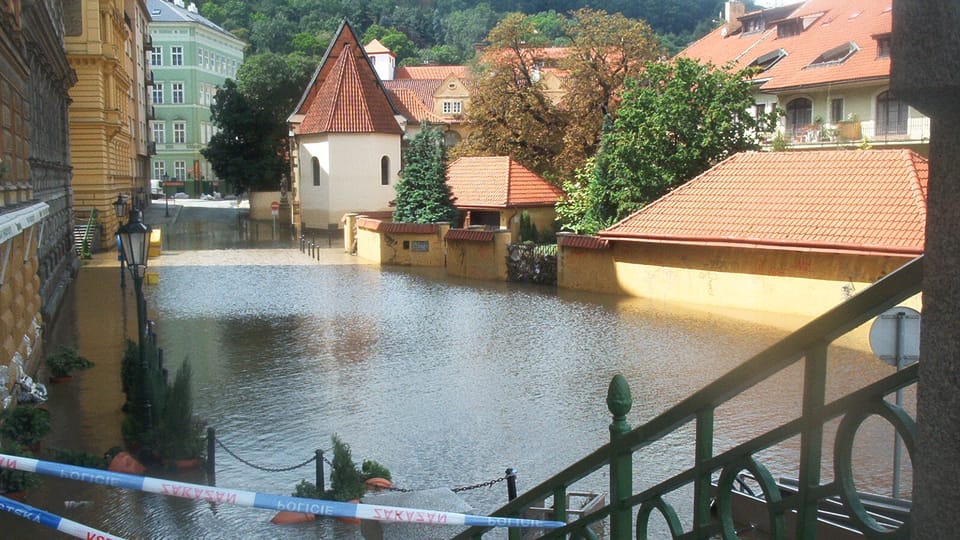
x,y
345,172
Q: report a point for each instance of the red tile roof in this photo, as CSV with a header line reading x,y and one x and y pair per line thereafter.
x,y
345,95
412,108
469,235
830,24
431,72
498,182
371,224
582,241
860,201
375,47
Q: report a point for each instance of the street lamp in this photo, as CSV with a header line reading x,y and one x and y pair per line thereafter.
x,y
134,239
120,207
166,197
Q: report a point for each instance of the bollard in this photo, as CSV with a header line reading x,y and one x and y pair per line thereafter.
x,y
320,475
211,451
511,484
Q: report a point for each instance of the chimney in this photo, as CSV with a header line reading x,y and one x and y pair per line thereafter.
x,y
192,8
732,10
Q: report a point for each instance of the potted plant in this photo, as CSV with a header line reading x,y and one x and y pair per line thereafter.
x,y
180,433
24,425
62,363
14,483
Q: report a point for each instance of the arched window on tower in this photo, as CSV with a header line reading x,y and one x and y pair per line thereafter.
x,y
385,171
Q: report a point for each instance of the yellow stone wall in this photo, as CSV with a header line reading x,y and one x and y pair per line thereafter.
x,y
397,248
542,217
802,283
479,260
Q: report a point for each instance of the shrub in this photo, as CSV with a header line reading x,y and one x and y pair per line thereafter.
x,y
24,425
65,361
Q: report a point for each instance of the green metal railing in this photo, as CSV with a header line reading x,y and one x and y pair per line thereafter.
x,y
88,234
628,512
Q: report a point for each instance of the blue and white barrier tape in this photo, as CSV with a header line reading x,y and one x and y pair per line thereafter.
x,y
265,500
53,521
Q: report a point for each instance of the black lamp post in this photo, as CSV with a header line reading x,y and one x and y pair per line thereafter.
x,y
166,196
134,238
120,207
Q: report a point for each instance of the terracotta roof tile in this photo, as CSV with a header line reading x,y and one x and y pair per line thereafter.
x,y
832,24
375,47
865,201
412,108
371,224
431,72
469,235
345,95
582,241
498,182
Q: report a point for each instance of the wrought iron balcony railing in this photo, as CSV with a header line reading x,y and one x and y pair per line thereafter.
x,y
627,513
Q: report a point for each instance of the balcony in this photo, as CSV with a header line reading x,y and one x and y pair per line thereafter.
x,y
854,133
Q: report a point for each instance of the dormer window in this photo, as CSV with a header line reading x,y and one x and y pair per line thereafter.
x,y
753,24
452,107
883,46
836,55
768,60
788,28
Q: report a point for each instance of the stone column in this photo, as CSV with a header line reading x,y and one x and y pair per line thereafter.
x,y
926,73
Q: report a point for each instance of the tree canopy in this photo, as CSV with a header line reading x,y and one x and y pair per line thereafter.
x,y
423,195
675,122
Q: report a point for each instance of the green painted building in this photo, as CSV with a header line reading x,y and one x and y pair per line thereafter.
x,y
191,58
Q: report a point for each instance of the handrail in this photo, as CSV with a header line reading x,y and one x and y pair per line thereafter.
x,y
809,343
87,234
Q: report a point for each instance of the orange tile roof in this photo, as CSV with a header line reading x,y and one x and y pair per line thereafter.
x,y
345,95
375,47
860,201
835,23
582,241
469,235
431,72
498,182
412,108
371,224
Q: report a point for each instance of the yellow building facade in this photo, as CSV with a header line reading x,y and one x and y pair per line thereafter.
x,y
106,41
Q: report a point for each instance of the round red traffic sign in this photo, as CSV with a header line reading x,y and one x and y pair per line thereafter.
x,y
274,205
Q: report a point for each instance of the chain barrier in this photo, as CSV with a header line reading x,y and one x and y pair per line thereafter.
x,y
267,469
326,460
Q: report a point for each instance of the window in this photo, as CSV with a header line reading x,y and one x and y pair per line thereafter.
x,y
176,56
156,56
768,60
180,170
789,28
836,55
836,110
316,171
753,24
385,171
759,109
883,46
452,107
799,115
158,94
892,115
200,57
451,139
159,169
419,245
177,92
159,132
179,132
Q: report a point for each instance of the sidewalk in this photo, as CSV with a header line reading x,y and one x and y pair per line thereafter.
x,y
161,212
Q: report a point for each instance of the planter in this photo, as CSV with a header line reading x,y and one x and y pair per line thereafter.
x,y
289,518
352,521
186,463
61,379
849,130
20,496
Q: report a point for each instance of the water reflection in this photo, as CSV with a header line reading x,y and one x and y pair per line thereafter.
x,y
447,382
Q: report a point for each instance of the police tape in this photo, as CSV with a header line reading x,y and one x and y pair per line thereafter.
x,y
53,521
265,500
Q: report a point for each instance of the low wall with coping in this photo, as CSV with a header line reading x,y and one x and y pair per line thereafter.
x,y
477,254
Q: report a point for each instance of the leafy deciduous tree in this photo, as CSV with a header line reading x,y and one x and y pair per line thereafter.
x,y
423,195
675,122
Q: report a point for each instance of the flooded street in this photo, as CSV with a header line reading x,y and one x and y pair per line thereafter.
x,y
447,382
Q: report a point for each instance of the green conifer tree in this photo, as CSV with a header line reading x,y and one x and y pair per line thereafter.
x,y
423,195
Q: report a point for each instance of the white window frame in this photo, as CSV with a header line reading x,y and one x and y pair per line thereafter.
x,y
176,56
156,56
180,170
157,94
158,131
159,169
177,93
179,132
452,107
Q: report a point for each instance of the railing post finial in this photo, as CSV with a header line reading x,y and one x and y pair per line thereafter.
x,y
619,402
